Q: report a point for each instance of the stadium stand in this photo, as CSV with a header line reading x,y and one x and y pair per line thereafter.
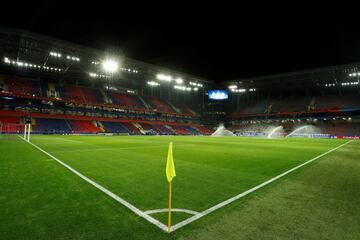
x,y
92,96
72,94
9,119
78,126
115,127
163,129
20,87
184,109
123,99
299,104
51,126
160,105
192,130
149,128
182,130
202,130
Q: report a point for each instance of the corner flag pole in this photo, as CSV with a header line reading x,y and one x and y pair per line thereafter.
x,y
169,216
170,174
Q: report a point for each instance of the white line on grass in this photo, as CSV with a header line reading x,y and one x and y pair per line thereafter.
x,y
172,209
230,200
107,192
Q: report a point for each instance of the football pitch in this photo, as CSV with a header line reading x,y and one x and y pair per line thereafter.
x,y
114,187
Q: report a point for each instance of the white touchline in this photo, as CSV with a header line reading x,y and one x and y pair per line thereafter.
x,y
107,192
197,215
230,200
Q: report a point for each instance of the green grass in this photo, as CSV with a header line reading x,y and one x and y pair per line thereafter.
x,y
40,199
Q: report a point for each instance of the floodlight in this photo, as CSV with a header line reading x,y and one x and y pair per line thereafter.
x,y
163,77
179,80
153,83
110,66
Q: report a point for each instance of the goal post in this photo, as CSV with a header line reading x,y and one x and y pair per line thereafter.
x,y
13,129
27,131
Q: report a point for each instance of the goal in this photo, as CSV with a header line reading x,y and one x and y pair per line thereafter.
x,y
12,129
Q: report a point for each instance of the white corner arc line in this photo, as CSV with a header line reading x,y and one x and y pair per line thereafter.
x,y
107,192
230,200
173,210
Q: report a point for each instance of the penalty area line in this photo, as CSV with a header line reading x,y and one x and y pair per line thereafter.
x,y
230,200
106,191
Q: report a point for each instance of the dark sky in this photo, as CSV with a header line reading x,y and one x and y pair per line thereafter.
x,y
217,41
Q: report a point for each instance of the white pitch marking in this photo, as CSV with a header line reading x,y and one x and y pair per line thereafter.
x,y
107,192
173,210
230,200
197,215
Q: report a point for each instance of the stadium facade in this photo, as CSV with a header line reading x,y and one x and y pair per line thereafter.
x,y
71,89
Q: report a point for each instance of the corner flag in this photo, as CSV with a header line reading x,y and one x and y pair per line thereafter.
x,y
170,174
170,167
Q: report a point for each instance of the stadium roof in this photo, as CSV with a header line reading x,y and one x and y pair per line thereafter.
x,y
318,77
20,44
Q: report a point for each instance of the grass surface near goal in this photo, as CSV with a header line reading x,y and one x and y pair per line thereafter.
x,y
209,171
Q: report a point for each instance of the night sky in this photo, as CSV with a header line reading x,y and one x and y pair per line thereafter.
x,y
217,42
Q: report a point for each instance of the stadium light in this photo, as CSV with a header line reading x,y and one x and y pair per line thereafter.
x,y
110,66
240,90
232,87
196,84
179,80
349,83
183,88
163,77
129,70
55,54
153,83
28,65
95,75
111,88
73,58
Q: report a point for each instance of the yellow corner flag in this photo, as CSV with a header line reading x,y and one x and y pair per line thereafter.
x,y
170,167
170,174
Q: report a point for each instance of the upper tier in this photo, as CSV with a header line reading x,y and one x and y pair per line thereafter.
x,y
297,105
26,88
